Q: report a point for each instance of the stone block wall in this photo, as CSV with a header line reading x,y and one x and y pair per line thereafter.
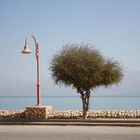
x,y
46,112
12,114
92,114
37,112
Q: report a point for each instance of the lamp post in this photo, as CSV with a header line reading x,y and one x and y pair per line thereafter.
x,y
26,50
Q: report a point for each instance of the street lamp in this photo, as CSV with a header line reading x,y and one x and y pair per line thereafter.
x,y
26,50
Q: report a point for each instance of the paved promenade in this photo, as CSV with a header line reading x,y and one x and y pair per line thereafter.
x,y
44,132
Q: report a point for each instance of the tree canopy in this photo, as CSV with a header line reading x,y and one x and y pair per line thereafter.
x,y
84,67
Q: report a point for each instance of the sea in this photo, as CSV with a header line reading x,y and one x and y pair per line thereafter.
x,y
71,102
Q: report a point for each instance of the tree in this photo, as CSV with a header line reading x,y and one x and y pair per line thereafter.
x,y
84,68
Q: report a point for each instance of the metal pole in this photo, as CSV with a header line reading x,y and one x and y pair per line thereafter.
x,y
38,75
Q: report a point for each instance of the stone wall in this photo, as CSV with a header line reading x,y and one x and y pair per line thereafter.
x,y
94,114
12,114
49,113
37,112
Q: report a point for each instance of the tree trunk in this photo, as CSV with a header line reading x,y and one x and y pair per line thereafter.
x,y
85,100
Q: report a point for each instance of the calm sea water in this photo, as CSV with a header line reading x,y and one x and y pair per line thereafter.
x,y
71,102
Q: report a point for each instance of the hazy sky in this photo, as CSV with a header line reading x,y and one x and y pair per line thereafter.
x,y
113,26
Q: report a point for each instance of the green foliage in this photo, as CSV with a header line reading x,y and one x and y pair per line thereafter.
x,y
84,68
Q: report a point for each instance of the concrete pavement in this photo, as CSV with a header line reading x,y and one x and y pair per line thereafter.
x,y
45,132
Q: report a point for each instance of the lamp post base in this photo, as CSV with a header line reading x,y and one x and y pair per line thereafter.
x,y
37,112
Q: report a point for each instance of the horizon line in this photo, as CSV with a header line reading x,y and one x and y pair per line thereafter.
x,y
96,96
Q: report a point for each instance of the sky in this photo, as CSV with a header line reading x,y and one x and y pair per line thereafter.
x,y
112,26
